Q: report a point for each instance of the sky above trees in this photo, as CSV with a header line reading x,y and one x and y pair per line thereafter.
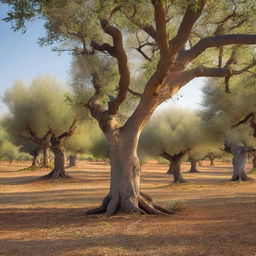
x,y
22,58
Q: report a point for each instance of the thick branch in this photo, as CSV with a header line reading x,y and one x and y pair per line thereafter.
x,y
70,131
122,61
37,139
160,19
244,120
217,41
189,19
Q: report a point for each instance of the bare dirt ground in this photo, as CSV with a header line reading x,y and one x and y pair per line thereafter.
x,y
47,218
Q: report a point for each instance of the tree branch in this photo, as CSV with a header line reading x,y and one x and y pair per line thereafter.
x,y
160,20
244,120
70,131
217,41
188,21
122,61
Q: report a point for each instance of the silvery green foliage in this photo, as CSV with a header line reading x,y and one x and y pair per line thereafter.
x,y
8,151
172,131
39,105
222,111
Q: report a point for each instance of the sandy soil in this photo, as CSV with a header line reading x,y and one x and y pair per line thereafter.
x,y
47,218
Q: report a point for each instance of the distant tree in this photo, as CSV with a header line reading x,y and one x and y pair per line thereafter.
x,y
8,151
172,134
223,115
176,42
83,141
38,113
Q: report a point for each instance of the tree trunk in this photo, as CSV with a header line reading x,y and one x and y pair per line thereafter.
x,y
174,166
211,161
125,194
239,163
177,176
193,163
35,161
171,168
59,161
72,161
45,157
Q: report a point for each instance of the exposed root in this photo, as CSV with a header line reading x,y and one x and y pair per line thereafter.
x,y
148,207
55,174
164,210
102,208
143,204
113,205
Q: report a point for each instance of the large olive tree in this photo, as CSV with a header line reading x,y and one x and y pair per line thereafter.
x,y
176,42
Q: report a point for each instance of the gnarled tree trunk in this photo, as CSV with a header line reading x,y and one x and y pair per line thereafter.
x,y
59,160
193,164
174,167
72,161
177,176
125,194
239,163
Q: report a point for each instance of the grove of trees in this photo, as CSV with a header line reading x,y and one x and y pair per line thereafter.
x,y
143,49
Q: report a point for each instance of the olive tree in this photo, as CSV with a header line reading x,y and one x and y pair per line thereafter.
x,y
225,117
176,42
171,134
38,113
84,140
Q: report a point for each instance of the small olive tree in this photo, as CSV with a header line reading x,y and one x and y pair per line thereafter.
x,y
171,134
38,113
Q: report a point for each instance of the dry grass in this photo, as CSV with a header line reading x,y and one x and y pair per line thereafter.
x,y
47,218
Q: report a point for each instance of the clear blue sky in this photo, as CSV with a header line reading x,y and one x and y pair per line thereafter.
x,y
22,57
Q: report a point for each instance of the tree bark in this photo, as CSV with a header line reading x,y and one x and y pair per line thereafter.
x,y
193,167
45,157
125,194
59,160
171,167
177,176
239,163
72,161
